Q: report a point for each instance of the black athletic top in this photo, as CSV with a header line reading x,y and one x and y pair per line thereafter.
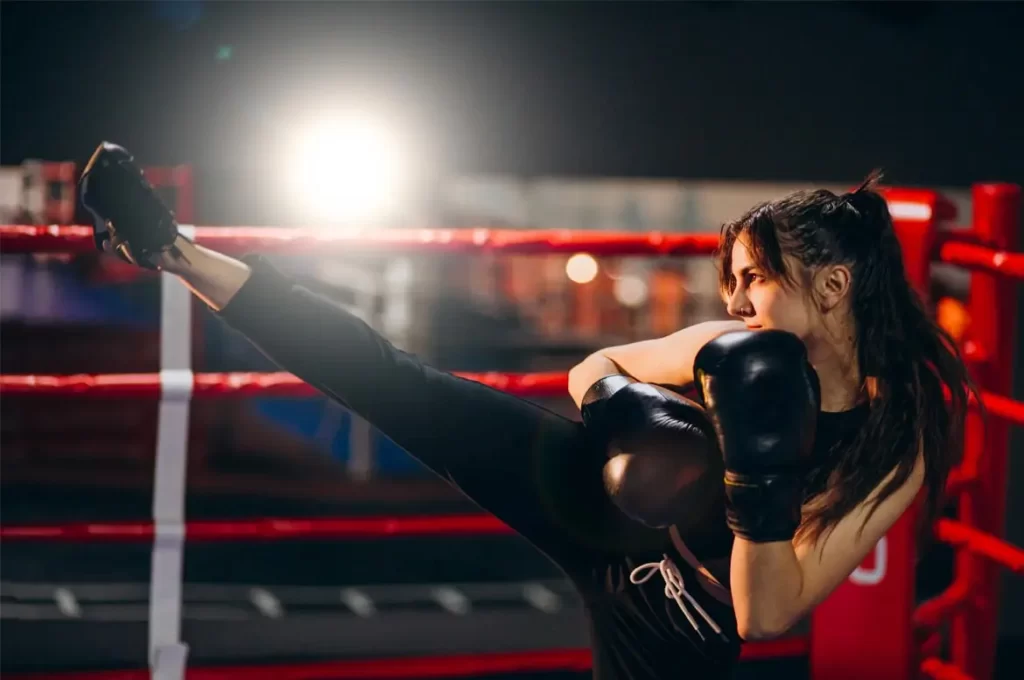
x,y
835,433
540,473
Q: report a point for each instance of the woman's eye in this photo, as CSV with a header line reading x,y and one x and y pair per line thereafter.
x,y
754,278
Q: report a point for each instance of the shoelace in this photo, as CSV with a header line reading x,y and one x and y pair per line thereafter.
x,y
675,589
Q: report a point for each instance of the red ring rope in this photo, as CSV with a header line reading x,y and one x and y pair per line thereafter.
x,y
941,670
959,480
948,531
981,543
215,385
935,611
280,384
1004,407
974,256
266,529
233,240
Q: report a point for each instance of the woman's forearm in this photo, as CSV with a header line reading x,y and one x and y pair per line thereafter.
x,y
766,580
588,372
666,361
213,277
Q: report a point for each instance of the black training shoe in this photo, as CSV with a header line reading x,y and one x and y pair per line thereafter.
x,y
129,218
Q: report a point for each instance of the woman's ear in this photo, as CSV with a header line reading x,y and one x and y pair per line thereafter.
x,y
832,285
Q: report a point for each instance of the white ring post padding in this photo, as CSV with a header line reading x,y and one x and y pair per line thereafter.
x,y
167,654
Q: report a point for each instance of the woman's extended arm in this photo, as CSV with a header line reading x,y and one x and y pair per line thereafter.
x,y
665,361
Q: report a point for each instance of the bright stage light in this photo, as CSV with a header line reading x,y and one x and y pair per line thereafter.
x,y
349,169
581,268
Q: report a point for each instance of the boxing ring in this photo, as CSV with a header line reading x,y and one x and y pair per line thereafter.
x,y
871,626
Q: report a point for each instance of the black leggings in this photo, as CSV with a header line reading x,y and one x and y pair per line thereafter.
x,y
535,470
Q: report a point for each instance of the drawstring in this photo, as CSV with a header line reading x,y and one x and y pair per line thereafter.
x,y
675,589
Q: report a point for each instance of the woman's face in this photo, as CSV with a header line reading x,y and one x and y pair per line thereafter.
x,y
761,303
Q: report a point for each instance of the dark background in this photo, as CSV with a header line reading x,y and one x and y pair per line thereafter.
x,y
819,91
769,91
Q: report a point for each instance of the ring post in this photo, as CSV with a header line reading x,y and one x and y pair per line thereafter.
x,y
992,306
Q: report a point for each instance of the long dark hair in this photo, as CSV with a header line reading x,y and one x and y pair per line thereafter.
x,y
907,363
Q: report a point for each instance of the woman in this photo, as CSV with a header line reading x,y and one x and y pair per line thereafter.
x,y
829,269
825,268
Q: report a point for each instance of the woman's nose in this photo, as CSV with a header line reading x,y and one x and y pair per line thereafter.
x,y
738,304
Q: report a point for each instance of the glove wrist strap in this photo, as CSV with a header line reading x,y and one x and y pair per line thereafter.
x,y
763,508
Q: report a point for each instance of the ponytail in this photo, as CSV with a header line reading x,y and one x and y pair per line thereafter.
x,y
910,366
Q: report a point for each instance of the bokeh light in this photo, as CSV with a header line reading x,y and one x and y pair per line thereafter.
x,y
630,290
581,268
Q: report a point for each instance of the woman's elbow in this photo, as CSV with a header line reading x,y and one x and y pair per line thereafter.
x,y
575,373
577,382
752,628
586,373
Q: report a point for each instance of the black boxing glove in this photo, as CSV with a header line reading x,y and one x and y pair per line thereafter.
x,y
595,404
129,219
762,397
663,467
